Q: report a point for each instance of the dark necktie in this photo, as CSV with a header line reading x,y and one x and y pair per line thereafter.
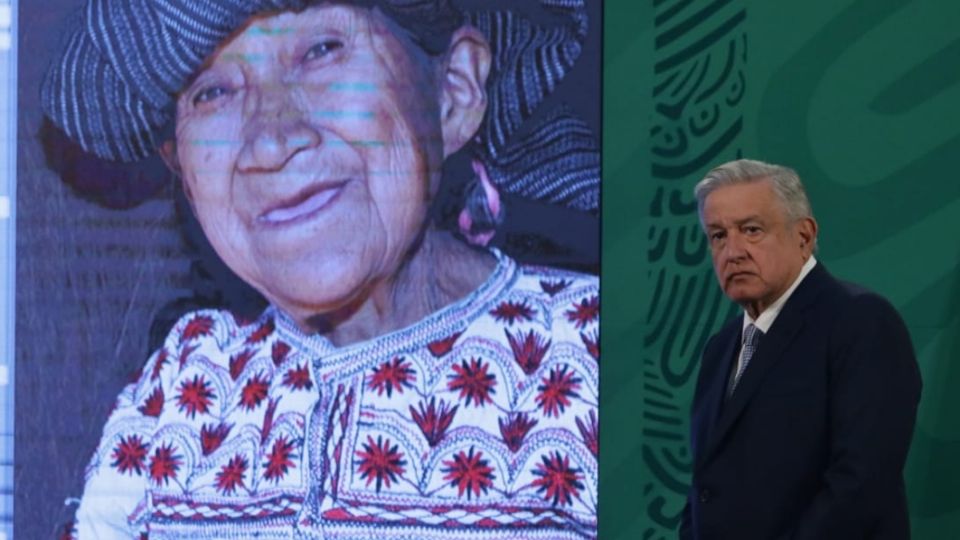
x,y
751,336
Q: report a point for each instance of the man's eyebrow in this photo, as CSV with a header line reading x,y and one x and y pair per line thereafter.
x,y
748,219
738,222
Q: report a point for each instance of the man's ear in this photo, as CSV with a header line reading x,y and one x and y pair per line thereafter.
x,y
463,94
807,229
168,151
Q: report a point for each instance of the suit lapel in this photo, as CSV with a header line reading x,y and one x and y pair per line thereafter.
x,y
714,393
769,351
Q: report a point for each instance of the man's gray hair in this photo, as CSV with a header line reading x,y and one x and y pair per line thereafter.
x,y
785,181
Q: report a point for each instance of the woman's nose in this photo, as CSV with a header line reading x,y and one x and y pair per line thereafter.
x,y
277,130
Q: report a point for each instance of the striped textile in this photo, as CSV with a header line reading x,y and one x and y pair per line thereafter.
x,y
558,159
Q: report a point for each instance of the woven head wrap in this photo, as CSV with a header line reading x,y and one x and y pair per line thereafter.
x,y
113,89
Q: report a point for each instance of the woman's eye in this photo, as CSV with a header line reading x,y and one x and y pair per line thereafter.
x,y
322,49
210,94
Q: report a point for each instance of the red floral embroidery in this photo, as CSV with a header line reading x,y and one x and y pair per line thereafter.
x,y
185,353
590,433
554,287
200,325
514,429
380,462
279,352
261,333
230,476
162,358
130,455
211,436
254,392
469,472
443,346
298,378
557,389
473,381
584,312
592,342
280,459
195,396
433,421
268,419
557,479
511,311
241,318
528,350
164,464
153,405
392,375
238,362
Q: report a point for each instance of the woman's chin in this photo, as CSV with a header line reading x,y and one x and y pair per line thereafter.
x,y
311,288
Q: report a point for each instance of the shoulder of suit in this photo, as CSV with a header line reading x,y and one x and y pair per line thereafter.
x,y
865,302
857,295
856,305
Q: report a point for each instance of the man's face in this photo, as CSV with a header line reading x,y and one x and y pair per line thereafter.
x,y
757,252
310,147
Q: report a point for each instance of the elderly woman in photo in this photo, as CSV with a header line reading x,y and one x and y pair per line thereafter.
x,y
402,383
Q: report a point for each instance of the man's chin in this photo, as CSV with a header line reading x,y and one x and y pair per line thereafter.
x,y
741,294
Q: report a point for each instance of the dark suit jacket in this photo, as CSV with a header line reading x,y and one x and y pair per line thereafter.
x,y
812,443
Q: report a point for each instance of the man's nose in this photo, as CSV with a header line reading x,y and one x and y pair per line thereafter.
x,y
276,130
734,247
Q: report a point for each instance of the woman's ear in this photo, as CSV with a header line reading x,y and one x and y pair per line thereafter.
x,y
168,151
463,94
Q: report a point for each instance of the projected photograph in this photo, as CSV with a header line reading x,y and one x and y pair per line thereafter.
x,y
307,269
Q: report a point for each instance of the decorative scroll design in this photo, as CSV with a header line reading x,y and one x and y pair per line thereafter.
x,y
700,54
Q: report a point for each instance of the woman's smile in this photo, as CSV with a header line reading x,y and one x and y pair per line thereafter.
x,y
310,202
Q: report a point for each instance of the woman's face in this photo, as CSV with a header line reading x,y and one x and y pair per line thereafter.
x,y
310,147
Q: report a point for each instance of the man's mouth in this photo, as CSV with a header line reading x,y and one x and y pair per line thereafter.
x,y
304,204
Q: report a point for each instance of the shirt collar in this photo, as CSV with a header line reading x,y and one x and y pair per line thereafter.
x,y
765,320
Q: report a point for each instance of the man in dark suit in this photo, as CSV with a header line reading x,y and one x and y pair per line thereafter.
x,y
805,405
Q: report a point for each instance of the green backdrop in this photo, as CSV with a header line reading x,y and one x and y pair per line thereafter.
x,y
862,98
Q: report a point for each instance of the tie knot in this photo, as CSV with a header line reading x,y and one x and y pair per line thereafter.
x,y
751,335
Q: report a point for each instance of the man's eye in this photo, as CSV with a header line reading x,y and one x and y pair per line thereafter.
x,y
210,94
322,49
752,230
716,236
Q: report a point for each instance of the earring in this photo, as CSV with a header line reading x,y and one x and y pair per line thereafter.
x,y
483,211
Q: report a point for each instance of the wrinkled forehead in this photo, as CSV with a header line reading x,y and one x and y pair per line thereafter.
x,y
338,17
742,201
284,30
